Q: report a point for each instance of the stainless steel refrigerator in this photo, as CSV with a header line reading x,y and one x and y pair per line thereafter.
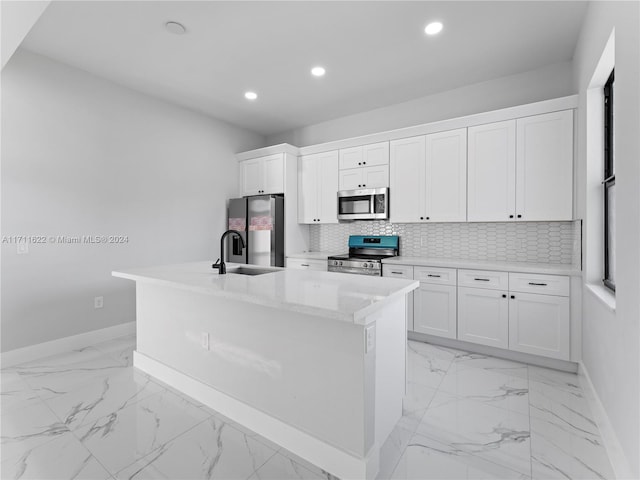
x,y
260,219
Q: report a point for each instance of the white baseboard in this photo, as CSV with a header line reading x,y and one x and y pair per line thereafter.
x,y
310,448
619,462
564,365
74,342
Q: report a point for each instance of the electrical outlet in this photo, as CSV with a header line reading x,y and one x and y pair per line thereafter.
x,y
370,338
98,302
22,247
204,340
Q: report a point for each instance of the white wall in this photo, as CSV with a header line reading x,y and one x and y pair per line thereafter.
x,y
611,338
83,156
545,83
17,18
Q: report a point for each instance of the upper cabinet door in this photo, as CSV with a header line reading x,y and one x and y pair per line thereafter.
x,y
544,185
446,176
273,174
375,177
350,157
350,179
365,156
407,180
327,178
262,175
492,172
308,187
251,177
375,154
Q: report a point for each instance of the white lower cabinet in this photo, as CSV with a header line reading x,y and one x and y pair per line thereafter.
x,y
531,315
539,324
435,310
435,305
483,316
522,312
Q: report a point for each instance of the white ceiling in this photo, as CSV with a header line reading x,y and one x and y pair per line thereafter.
x,y
375,52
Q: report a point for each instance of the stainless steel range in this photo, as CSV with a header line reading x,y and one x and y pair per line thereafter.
x,y
365,254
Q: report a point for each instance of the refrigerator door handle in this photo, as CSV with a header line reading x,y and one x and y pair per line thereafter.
x,y
237,246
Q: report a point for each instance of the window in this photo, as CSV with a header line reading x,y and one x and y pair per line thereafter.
x,y
609,188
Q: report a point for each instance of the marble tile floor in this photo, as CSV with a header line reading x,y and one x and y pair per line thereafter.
x,y
88,414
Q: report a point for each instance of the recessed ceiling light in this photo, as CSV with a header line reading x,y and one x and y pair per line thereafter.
x,y
175,27
318,71
250,95
433,28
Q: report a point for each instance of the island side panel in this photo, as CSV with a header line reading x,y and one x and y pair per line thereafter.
x,y
390,367
304,370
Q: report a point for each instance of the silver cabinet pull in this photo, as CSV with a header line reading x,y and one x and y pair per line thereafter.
x,y
482,279
435,276
304,264
397,273
538,284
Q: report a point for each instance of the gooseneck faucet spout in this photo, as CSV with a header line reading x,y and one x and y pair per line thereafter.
x,y
220,265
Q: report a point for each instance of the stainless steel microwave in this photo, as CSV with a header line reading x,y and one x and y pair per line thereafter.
x,y
363,204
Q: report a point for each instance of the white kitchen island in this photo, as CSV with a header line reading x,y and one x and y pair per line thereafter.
x,y
314,361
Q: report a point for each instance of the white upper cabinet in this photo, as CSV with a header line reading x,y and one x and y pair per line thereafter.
x,y
428,178
365,177
350,157
364,166
250,177
318,188
273,174
262,175
446,182
544,167
407,168
522,169
350,179
492,172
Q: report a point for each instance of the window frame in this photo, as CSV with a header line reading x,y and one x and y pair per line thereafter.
x,y
609,170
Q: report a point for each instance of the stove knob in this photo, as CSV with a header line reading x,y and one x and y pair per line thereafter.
x,y
335,263
371,265
340,263
365,265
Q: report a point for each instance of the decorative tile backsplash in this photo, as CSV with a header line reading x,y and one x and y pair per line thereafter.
x,y
539,242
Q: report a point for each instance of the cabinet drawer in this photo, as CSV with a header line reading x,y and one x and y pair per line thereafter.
x,y
483,279
398,271
441,276
538,283
306,264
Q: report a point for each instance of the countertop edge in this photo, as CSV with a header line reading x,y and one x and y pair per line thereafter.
x,y
476,265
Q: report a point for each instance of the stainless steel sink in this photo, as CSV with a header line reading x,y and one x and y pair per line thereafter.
x,y
251,271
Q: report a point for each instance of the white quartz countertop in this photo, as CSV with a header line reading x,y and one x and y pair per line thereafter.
x,y
314,255
349,298
524,267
